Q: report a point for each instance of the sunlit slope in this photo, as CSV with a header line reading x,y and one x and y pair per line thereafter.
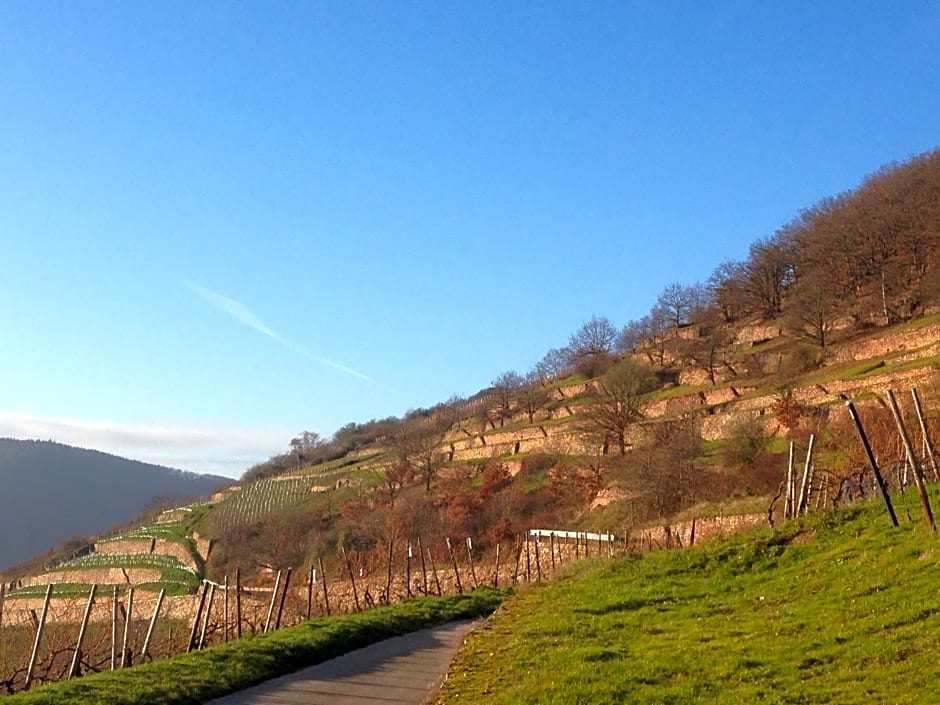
x,y
842,609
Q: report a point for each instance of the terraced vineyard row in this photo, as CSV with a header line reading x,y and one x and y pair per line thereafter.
x,y
116,560
163,529
174,575
256,500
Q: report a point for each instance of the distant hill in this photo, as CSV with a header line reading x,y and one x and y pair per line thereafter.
x,y
52,491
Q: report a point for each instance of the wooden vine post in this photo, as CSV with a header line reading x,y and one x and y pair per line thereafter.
x,y
225,615
77,656
352,578
528,560
267,621
804,487
496,568
326,592
153,622
205,617
453,561
473,572
437,577
128,616
310,585
788,503
39,629
424,569
388,574
913,460
926,436
871,460
280,609
114,626
408,571
238,603
538,562
195,628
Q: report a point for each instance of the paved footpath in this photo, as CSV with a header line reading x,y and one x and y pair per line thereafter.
x,y
404,670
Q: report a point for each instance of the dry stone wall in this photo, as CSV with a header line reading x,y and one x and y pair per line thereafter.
x,y
99,576
676,535
134,547
925,341
126,547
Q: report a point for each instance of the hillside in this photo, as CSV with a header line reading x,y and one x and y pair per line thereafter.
x,y
684,413
819,611
677,429
492,469
52,492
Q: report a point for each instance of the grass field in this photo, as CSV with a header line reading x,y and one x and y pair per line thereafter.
x,y
840,609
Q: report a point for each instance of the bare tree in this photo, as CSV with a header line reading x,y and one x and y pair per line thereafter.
x,y
708,351
660,328
303,446
633,336
814,310
614,405
769,271
676,300
506,393
590,346
393,477
726,288
666,475
417,444
555,364
532,395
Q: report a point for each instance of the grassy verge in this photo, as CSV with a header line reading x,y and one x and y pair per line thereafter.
x,y
833,610
201,676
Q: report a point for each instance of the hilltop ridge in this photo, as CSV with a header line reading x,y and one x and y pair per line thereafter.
x,y
53,492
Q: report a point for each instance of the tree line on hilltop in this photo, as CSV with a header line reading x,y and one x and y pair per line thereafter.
x,y
865,257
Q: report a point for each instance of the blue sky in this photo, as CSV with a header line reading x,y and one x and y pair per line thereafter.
x,y
224,223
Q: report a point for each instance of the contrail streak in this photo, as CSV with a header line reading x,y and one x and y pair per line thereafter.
x,y
237,310
245,316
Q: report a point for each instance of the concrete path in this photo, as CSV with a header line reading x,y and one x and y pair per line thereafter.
x,y
404,670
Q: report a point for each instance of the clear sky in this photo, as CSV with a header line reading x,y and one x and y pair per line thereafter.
x,y
224,223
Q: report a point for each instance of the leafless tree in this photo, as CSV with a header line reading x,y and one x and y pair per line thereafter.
x,y
726,288
506,389
533,395
677,300
417,444
555,364
590,346
614,405
769,272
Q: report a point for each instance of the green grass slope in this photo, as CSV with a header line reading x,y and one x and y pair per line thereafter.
x,y
839,609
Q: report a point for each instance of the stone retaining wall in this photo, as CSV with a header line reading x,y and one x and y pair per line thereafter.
x,y
100,576
676,535
135,547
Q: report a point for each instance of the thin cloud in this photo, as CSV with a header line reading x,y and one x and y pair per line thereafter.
x,y
243,314
330,363
237,310
225,451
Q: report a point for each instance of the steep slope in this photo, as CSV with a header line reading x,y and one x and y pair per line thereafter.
x,y
53,491
819,611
